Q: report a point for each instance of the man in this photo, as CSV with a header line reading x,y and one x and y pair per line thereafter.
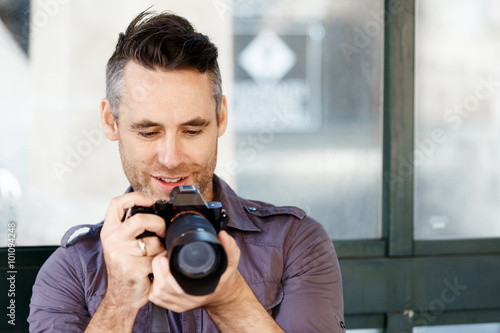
x,y
165,108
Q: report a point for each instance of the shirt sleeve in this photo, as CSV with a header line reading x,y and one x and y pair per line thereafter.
x,y
58,300
312,283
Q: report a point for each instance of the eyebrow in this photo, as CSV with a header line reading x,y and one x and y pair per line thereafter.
x,y
144,124
197,122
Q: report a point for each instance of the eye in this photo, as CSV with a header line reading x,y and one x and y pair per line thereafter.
x,y
147,134
193,132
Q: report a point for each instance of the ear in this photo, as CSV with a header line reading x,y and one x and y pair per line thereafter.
x,y
108,121
223,117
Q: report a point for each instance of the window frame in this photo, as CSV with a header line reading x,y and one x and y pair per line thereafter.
x,y
407,262
390,280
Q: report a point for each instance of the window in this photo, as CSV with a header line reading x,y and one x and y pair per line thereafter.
x,y
379,120
457,183
307,109
306,131
52,147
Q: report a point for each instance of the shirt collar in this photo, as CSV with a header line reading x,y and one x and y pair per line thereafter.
x,y
234,206
232,203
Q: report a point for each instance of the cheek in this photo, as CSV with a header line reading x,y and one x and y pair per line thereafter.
x,y
146,153
139,152
202,151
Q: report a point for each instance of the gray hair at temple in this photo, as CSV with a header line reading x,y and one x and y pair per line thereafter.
x,y
162,41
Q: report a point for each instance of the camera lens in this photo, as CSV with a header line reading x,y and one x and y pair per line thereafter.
x,y
196,259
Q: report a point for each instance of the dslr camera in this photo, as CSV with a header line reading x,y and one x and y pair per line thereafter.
x,y
196,257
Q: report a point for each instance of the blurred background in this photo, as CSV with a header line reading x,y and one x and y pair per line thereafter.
x,y
310,94
305,114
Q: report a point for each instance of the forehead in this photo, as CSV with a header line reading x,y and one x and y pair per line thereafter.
x,y
179,90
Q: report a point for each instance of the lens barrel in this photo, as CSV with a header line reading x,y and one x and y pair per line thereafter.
x,y
197,259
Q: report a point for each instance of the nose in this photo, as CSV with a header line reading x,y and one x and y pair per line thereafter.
x,y
170,152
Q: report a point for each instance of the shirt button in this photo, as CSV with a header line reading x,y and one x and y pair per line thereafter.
x,y
252,209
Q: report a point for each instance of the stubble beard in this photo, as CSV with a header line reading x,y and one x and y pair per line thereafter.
x,y
202,176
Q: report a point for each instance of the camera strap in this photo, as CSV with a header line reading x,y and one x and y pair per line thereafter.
x,y
159,320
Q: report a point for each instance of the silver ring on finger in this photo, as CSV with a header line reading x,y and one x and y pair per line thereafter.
x,y
142,246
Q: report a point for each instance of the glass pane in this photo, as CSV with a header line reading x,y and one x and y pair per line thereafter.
x,y
469,328
368,330
457,151
57,169
306,109
305,123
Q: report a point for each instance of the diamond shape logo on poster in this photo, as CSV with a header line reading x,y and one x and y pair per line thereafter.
x,y
267,58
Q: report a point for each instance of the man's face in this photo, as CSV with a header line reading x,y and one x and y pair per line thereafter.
x,y
167,130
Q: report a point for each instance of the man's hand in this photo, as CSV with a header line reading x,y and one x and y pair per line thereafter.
x,y
127,266
129,286
232,306
167,293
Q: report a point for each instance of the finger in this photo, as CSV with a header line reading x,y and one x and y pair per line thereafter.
x,y
160,287
136,265
139,223
164,280
119,205
153,246
164,287
231,248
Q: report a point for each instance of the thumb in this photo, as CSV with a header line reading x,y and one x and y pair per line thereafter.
x,y
231,248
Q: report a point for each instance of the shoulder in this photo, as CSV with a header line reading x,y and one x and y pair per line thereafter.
x,y
294,230
62,289
267,224
291,218
69,268
80,234
80,249
270,224
254,215
267,210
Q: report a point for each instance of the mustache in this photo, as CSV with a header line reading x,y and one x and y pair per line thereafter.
x,y
160,168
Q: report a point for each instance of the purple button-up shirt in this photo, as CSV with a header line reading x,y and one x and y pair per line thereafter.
x,y
287,259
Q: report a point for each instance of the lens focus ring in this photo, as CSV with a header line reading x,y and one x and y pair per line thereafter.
x,y
196,259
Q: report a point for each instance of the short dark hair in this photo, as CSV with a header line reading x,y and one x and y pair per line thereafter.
x,y
162,41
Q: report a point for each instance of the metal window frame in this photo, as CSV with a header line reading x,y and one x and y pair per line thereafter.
x,y
398,283
388,283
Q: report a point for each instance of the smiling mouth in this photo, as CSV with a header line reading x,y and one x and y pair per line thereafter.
x,y
171,180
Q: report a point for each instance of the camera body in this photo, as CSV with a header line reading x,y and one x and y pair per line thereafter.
x,y
196,257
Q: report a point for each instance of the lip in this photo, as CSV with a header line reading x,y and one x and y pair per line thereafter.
x,y
168,187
